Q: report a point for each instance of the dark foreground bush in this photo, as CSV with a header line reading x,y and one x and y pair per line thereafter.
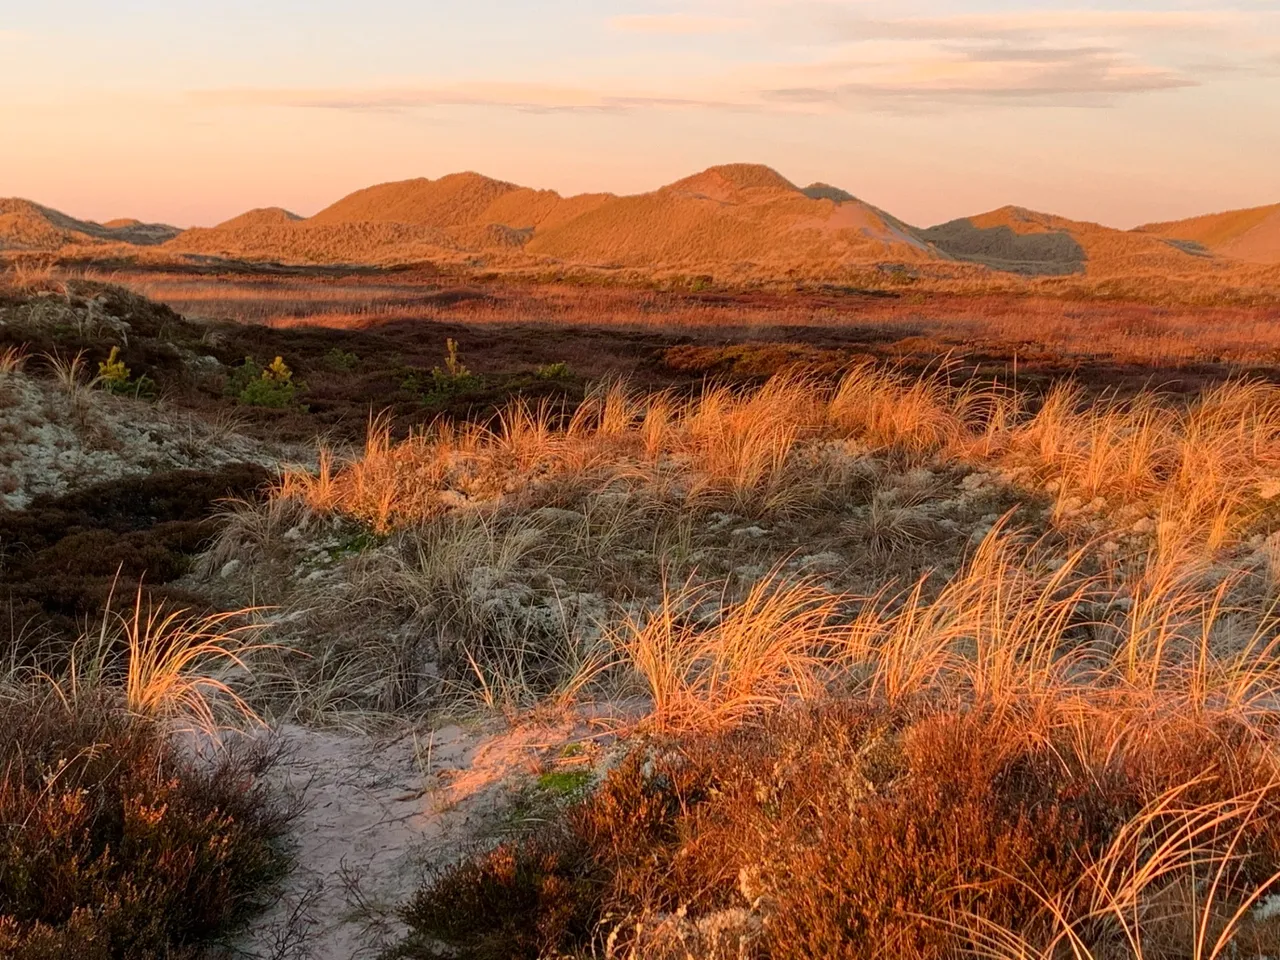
x,y
64,557
115,846
860,833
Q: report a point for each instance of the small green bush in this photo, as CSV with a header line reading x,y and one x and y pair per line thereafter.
x,y
255,386
553,371
115,377
445,383
339,359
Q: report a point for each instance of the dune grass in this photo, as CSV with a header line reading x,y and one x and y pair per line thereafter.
x,y
1063,748
1196,468
1000,770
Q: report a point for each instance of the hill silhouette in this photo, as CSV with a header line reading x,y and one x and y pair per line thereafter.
x,y
1251,235
26,225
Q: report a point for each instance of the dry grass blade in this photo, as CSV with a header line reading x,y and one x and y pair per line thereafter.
x,y
12,359
711,669
169,664
69,372
1170,846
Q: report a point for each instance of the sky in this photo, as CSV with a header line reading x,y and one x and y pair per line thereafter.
x,y
190,113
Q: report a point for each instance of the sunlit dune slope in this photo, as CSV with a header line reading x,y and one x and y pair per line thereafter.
x,y
730,215
25,225
1251,235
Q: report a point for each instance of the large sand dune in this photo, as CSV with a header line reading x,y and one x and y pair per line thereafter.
x,y
1252,235
731,221
25,225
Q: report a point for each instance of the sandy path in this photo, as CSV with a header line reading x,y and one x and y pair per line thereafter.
x,y
376,812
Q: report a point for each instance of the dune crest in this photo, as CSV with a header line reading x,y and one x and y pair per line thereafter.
x,y
1251,235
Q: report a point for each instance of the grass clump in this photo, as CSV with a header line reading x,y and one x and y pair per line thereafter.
x,y
116,844
12,359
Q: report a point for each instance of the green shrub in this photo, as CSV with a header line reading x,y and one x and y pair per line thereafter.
x,y
115,377
553,371
339,359
255,386
116,845
445,383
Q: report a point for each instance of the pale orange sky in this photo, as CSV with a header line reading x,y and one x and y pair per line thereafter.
x,y
1121,112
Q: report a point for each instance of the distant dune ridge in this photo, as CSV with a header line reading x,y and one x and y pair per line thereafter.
x,y
736,219
1252,235
25,225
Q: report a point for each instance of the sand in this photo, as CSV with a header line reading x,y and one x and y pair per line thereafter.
x,y
379,812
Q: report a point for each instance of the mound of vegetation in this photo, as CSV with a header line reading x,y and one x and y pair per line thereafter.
x,y
102,323
117,845
855,830
63,557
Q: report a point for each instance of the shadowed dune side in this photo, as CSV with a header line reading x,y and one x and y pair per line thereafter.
x,y
1025,241
1251,235
1000,246
25,225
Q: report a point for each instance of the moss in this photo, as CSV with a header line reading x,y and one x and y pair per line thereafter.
x,y
565,783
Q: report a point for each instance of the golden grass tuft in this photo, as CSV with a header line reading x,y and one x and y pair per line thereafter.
x,y
704,671
169,665
1195,469
12,359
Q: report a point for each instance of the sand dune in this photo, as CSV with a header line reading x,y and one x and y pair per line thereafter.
x,y
25,225
734,221
1024,241
1252,235
738,214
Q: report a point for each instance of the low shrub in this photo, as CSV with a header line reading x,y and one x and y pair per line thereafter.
x,y
339,359
855,831
272,387
116,844
553,371
63,557
115,377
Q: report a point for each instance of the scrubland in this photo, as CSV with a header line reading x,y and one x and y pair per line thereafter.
x,y
927,669
1042,326
868,653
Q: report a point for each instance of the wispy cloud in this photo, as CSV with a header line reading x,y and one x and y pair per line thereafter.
x,y
1084,77
819,57
676,24
1027,23
531,97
